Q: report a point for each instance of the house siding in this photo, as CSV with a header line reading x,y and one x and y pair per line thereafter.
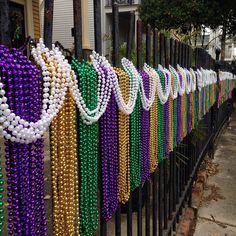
x,y
36,19
63,22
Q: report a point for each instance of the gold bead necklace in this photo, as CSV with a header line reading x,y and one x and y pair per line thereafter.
x,y
123,139
65,192
153,144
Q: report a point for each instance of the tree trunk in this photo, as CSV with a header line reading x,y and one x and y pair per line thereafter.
x,y
4,22
223,39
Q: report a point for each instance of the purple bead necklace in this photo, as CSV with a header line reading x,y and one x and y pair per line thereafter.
x,y
145,127
108,128
24,162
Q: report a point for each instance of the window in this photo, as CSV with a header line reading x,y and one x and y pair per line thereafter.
x,y
17,24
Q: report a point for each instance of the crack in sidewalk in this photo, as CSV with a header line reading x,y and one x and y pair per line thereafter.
x,y
222,224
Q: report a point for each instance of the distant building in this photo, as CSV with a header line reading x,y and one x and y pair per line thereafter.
x,y
212,41
63,21
125,7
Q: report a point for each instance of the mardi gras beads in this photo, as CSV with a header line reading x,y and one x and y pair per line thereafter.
x,y
160,134
64,170
153,137
124,145
135,145
88,150
24,162
171,128
145,129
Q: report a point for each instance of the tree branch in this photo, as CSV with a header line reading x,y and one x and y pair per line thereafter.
x,y
211,41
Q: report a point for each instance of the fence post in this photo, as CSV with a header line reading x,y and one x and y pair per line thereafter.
x,y
162,52
77,28
139,43
4,23
115,34
130,35
155,48
97,25
148,44
48,22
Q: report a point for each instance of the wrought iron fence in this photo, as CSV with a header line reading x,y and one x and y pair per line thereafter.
x,y
155,208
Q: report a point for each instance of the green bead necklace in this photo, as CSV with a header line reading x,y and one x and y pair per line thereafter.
x,y
175,123
88,150
135,145
160,130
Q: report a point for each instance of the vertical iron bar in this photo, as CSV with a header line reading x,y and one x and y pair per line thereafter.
x,y
160,198
48,22
161,207
129,217
148,45
130,35
171,168
4,23
139,65
118,221
139,43
97,26
183,54
148,206
165,193
77,28
167,51
115,34
180,54
165,162
172,51
155,48
176,52
154,213
155,174
162,56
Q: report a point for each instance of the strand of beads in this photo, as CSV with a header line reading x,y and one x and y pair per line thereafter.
x,y
171,128
128,105
108,138
179,116
160,135
135,145
145,129
175,83
64,170
64,160
24,161
165,78
175,122
88,148
153,144
124,148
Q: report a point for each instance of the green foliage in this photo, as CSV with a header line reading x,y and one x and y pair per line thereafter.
x,y
173,14
188,17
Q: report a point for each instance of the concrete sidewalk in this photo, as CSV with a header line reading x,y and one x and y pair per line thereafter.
x,y
217,214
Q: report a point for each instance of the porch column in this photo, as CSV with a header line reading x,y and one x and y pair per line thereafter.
x,y
85,29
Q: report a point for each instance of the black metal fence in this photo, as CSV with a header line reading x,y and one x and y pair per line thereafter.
x,y
154,208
